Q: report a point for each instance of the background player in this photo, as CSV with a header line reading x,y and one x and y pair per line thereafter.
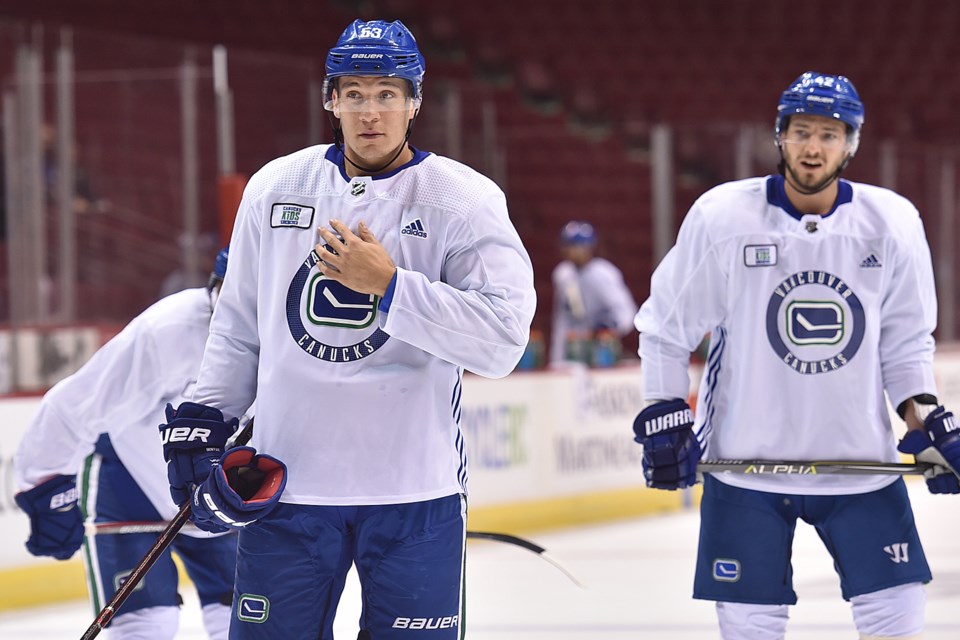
x,y
590,296
101,423
365,277
819,294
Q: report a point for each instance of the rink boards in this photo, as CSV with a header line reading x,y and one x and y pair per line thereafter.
x,y
545,450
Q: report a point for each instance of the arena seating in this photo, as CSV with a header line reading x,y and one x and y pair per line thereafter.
x,y
577,85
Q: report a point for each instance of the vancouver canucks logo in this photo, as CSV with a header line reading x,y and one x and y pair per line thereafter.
x,y
315,302
815,322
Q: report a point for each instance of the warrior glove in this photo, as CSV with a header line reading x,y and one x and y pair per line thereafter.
x,y
938,443
670,447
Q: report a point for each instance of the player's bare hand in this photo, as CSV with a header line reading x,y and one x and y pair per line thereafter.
x,y
357,260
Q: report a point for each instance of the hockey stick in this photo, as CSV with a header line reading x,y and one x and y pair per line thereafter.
x,y
525,544
241,437
801,468
130,526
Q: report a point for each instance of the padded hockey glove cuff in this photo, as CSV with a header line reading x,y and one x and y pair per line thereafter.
x,y
939,444
56,524
193,440
244,488
670,448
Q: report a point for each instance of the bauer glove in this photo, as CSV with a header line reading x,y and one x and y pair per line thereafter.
x,y
193,440
245,487
56,524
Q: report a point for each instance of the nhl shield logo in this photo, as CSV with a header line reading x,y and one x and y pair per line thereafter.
x,y
358,188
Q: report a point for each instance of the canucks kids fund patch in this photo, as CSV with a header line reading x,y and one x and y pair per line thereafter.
x,y
294,216
760,255
815,322
321,313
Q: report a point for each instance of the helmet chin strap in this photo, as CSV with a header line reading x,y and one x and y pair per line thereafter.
x,y
787,172
213,290
338,141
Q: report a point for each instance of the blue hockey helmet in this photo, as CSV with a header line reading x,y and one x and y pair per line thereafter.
x,y
825,95
219,268
375,48
579,233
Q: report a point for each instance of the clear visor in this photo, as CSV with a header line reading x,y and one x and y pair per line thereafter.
x,y
361,98
826,139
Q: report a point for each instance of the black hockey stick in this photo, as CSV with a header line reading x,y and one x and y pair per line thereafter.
x,y
525,544
241,437
802,468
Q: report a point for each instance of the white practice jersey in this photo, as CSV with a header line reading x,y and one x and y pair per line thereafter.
x,y
364,406
812,319
121,391
587,299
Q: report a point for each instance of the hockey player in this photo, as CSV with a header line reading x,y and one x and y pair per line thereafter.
x,y
365,277
100,423
819,295
589,294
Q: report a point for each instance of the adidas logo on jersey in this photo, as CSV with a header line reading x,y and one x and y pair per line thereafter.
x,y
415,228
871,262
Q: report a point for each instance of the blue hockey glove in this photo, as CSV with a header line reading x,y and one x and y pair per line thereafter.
x,y
193,440
938,443
244,488
56,524
670,448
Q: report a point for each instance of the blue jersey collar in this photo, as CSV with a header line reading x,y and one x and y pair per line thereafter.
x,y
335,155
777,196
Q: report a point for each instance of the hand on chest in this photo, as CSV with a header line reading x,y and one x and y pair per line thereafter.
x,y
413,240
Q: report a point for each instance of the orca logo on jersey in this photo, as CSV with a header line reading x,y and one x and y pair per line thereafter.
x,y
820,317
329,307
